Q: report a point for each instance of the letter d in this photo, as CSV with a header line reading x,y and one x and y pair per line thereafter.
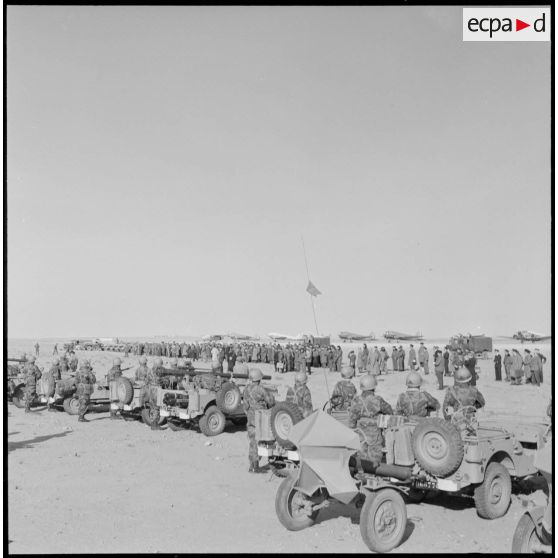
x,y
542,21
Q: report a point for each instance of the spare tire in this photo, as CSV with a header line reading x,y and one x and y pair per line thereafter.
x,y
124,390
229,399
438,446
283,416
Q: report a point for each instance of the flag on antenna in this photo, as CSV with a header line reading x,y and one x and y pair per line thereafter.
x,y
311,288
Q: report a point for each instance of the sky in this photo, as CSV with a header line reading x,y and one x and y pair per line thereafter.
x,y
164,164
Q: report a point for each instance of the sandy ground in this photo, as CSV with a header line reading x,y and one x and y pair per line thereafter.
x,y
116,486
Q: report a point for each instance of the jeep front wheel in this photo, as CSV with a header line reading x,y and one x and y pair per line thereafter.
x,y
493,495
213,421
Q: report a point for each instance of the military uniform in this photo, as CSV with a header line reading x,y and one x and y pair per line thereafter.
x,y
73,363
255,397
152,382
54,373
342,395
362,418
85,379
416,403
301,397
141,373
462,395
113,374
32,374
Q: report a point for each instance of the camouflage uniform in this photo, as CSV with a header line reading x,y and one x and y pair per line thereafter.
x,y
54,372
362,418
73,363
301,397
141,373
32,374
342,395
85,379
63,365
459,396
416,403
255,397
152,382
113,374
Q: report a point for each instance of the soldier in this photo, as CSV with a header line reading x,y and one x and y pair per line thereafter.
x,y
362,418
344,391
439,368
516,368
414,402
63,363
308,357
498,365
470,363
401,359
32,374
85,379
113,374
462,394
73,363
55,350
152,382
255,397
527,366
53,372
383,360
412,355
142,370
541,359
37,349
422,357
446,356
300,395
508,361
352,361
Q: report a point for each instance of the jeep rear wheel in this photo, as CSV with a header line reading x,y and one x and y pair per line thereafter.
x,y
493,495
293,508
525,536
18,398
212,423
148,416
71,405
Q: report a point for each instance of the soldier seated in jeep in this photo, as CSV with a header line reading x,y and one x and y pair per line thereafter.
x,y
415,403
462,395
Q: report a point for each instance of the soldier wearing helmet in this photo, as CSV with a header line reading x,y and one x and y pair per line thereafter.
x,y
344,391
255,397
73,363
142,370
32,374
53,372
414,402
112,376
63,363
362,417
85,380
300,395
462,394
152,383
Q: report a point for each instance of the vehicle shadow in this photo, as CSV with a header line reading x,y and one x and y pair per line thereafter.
x,y
26,444
456,503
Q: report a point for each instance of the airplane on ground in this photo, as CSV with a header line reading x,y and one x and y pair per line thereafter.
x,y
213,337
525,335
349,336
398,336
282,337
241,337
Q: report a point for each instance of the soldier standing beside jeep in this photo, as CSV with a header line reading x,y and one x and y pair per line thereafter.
x,y
255,397
32,374
152,382
344,391
85,379
300,395
113,374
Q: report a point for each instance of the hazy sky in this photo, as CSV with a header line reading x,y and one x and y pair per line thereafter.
x,y
163,163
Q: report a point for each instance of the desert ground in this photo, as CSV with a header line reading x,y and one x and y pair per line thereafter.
x,y
117,486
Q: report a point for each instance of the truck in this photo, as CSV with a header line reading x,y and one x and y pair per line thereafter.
x,y
481,345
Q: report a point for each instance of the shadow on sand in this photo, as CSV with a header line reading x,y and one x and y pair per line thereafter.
x,y
26,444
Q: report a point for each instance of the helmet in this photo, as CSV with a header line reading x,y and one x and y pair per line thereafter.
x,y
255,374
463,375
414,380
31,359
116,361
143,360
301,377
368,382
347,372
55,360
158,362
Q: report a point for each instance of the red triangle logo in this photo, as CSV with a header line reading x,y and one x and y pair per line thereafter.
x,y
519,25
